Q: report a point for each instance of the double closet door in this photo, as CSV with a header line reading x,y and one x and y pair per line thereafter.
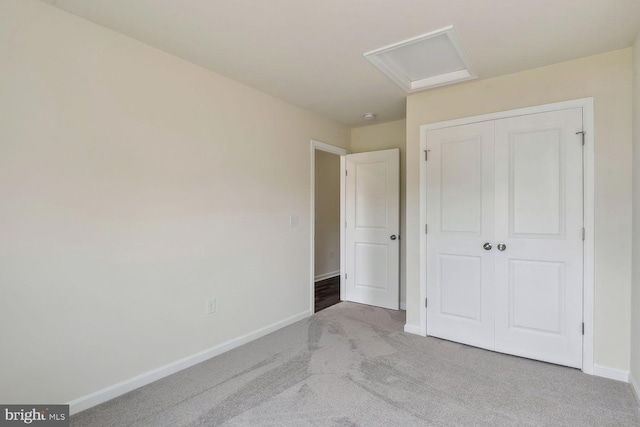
x,y
505,235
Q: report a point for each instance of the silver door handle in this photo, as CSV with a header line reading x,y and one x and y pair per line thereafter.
x,y
393,237
487,246
502,246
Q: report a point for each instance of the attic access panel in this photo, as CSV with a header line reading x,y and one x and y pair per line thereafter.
x,y
430,60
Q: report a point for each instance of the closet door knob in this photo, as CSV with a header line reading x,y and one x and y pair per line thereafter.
x,y
502,246
487,246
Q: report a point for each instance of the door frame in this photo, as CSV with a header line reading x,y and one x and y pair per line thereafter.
x,y
317,145
588,202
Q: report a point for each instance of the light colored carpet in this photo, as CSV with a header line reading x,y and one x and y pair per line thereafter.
x,y
352,365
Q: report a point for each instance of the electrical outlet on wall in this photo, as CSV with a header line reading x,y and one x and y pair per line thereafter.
x,y
211,306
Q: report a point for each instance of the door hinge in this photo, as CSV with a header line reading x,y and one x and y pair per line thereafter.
x,y
345,276
581,133
425,303
584,233
426,155
346,172
425,229
582,328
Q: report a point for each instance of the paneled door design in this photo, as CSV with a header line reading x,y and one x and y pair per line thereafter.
x,y
460,221
372,229
539,220
521,283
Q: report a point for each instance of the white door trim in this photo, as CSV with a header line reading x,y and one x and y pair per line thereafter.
x,y
589,218
317,145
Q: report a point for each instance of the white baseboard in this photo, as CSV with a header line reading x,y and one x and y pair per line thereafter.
x,y
412,329
611,373
403,306
101,396
635,387
326,275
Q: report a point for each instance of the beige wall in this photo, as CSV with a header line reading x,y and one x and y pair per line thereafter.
x,y
382,137
606,78
327,201
134,187
635,297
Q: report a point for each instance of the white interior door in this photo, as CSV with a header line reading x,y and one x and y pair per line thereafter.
x,y
460,221
516,185
372,198
539,219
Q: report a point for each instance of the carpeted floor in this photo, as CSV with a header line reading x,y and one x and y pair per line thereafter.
x,y
352,365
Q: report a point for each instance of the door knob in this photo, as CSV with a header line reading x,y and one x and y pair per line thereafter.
x,y
502,246
393,237
487,246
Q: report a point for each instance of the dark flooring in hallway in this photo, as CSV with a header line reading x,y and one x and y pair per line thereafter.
x,y
327,293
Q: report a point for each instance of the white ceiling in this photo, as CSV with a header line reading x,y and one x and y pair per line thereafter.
x,y
309,53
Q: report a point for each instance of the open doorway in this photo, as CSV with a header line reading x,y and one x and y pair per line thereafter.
x,y
327,230
365,243
326,209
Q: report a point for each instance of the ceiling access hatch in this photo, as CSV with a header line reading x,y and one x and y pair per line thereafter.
x,y
430,60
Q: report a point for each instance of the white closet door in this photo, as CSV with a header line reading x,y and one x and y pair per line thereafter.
x,y
460,221
539,219
515,185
